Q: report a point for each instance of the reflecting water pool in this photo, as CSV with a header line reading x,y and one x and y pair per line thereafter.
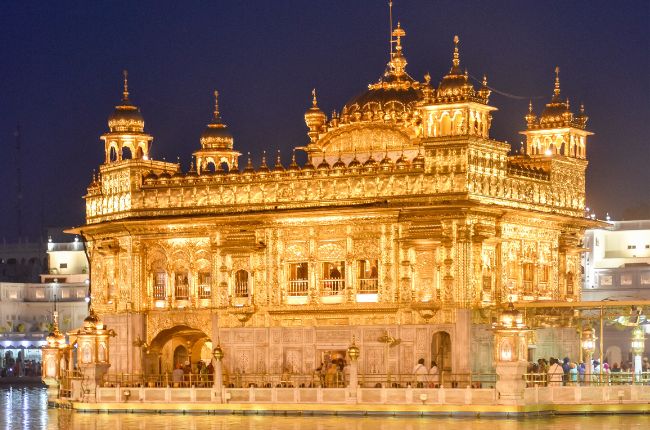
x,y
26,408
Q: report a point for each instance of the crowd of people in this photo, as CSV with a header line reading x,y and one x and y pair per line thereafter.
x,y
203,373
20,368
554,372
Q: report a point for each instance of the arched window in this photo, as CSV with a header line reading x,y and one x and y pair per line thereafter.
x,y
367,276
569,284
181,286
160,285
126,153
241,283
298,279
205,285
332,277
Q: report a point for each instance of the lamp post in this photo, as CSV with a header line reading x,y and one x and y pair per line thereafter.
x,y
638,346
218,373
510,353
588,343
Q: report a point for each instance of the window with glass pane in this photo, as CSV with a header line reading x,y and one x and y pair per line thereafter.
x,y
298,279
569,283
241,283
160,286
332,277
205,282
182,287
367,276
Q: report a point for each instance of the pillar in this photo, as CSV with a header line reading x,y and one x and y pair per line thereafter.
x,y
218,374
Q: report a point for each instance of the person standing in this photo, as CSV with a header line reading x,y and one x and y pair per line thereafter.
x,y
434,376
421,373
555,373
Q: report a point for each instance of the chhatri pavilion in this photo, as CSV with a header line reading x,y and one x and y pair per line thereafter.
x,y
407,227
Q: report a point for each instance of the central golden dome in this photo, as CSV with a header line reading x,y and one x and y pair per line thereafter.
x,y
395,93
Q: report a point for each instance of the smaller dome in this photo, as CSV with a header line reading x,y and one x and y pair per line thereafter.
x,y
126,117
355,163
293,167
323,165
308,165
402,162
216,134
370,162
418,161
339,165
91,321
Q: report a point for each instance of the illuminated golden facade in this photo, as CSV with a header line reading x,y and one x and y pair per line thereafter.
x,y
408,223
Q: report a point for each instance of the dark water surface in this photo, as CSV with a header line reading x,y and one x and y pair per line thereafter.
x,y
26,408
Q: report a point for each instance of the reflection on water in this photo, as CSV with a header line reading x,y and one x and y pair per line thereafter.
x,y
26,408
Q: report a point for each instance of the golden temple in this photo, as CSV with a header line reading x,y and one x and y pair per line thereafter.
x,y
406,226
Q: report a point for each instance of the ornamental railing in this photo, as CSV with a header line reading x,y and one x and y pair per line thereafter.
x,y
159,292
182,292
298,287
329,378
583,379
332,287
368,286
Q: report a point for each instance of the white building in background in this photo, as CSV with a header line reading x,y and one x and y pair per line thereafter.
x,y
617,268
617,263
26,308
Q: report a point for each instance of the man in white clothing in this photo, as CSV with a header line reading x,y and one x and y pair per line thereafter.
x,y
555,373
434,376
420,371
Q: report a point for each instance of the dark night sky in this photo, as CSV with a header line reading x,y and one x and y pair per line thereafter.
x,y
61,66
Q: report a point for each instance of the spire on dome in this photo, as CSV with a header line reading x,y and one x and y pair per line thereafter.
x,y
556,90
456,59
217,114
125,93
314,100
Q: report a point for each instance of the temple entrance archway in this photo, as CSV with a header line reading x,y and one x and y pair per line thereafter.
x,y
180,344
441,350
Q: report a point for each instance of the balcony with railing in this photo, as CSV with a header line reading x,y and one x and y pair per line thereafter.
x,y
182,291
298,288
368,286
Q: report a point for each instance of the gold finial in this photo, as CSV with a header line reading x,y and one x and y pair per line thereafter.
x,y
556,91
216,105
567,103
484,80
314,102
427,78
582,108
399,33
530,106
125,92
456,60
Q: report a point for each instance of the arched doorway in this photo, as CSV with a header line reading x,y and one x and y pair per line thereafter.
x,y
177,345
441,350
181,357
